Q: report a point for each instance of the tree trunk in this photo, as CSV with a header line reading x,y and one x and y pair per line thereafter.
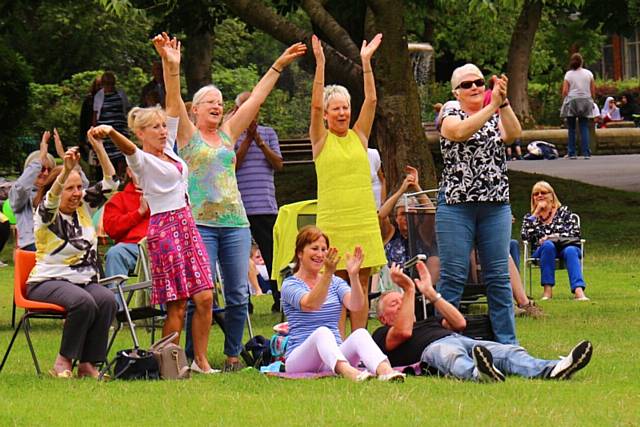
x,y
197,61
398,126
518,60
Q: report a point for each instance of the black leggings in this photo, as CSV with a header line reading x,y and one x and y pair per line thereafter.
x,y
5,230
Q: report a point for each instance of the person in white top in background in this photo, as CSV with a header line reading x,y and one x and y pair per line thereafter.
x,y
378,181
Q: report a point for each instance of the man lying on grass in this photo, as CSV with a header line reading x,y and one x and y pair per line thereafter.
x,y
406,341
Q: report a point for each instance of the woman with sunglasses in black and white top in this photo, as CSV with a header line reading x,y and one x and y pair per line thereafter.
x,y
473,202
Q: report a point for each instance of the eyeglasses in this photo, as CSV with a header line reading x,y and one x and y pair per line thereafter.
x,y
541,193
45,169
468,84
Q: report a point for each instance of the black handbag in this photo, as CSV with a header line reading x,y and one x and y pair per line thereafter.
x,y
562,242
135,364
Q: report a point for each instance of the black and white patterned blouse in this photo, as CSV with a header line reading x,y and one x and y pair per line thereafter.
x,y
564,224
474,170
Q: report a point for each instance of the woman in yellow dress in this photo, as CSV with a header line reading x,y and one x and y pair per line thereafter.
x,y
346,205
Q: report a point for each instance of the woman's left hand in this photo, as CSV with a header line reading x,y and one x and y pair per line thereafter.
x,y
292,52
353,262
368,49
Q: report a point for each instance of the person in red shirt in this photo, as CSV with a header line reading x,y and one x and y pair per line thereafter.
x,y
125,220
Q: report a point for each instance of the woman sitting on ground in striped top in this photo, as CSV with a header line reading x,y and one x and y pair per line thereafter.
x,y
313,300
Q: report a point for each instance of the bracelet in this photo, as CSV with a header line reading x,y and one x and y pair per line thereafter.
x,y
437,298
173,75
506,104
276,70
369,71
318,83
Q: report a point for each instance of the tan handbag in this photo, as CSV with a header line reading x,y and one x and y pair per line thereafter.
x,y
171,359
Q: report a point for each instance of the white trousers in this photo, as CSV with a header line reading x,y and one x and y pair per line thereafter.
x,y
320,352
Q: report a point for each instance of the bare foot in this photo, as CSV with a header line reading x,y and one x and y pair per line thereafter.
x,y
87,369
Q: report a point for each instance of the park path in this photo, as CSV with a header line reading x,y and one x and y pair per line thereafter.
x,y
618,171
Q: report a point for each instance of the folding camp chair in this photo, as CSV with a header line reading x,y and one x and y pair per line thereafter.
x,y
143,309
530,262
24,262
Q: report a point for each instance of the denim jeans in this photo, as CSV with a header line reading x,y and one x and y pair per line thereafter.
x,y
571,255
229,247
514,251
488,226
452,356
583,123
121,259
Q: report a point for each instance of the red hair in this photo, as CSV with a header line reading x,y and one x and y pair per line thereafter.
x,y
306,236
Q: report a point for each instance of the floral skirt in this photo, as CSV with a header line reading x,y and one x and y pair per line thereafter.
x,y
179,262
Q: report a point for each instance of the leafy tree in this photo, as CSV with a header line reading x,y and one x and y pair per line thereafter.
x,y
15,76
59,38
342,26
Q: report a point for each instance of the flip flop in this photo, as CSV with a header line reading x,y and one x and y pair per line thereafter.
x,y
64,374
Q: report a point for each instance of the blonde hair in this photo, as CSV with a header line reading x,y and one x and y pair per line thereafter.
x,y
334,91
544,186
142,117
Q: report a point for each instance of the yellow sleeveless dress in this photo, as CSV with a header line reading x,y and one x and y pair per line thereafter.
x,y
346,205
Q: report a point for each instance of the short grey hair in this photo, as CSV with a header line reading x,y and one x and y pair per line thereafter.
x,y
380,303
333,91
197,97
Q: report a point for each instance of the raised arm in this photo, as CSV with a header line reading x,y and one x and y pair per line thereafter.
x,y
108,171
368,111
453,319
402,328
71,158
248,110
354,300
386,228
509,124
58,143
317,131
122,142
169,50
20,192
315,298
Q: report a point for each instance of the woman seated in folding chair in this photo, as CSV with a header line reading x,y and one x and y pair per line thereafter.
x,y
395,234
66,270
313,300
549,218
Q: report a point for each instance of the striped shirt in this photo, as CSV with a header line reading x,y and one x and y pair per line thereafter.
x,y
304,323
255,175
112,113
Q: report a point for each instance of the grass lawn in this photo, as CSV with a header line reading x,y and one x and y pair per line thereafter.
x,y
606,393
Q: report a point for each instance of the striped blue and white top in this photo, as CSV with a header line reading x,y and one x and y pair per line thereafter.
x,y
255,175
304,323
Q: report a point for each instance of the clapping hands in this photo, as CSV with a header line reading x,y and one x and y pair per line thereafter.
x,y
331,260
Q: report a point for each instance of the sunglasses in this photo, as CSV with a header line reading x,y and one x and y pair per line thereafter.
x,y
468,84
45,169
540,193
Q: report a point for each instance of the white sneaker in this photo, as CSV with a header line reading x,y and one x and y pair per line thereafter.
x,y
3,264
578,358
395,377
364,376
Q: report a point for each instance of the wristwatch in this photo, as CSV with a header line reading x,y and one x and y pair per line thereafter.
x,y
438,297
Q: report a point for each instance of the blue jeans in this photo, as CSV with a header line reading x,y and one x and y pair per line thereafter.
x,y
121,259
452,356
583,123
571,255
488,226
514,251
229,247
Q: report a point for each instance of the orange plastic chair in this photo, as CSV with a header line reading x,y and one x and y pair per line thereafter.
x,y
24,262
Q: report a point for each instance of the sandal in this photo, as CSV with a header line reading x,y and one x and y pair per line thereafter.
x,y
64,374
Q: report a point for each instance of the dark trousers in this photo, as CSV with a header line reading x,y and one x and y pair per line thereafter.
x,y
262,232
90,311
